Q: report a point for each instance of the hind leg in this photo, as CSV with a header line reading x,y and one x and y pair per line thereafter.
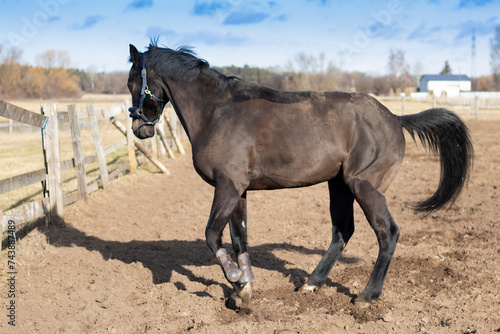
x,y
341,211
374,205
238,229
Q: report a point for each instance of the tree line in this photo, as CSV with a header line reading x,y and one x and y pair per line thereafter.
x,y
308,72
53,76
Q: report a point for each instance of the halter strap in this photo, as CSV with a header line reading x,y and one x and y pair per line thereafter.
x,y
136,112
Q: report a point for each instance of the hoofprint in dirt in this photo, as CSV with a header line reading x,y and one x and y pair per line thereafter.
x,y
133,259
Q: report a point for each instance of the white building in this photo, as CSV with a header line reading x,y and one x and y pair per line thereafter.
x,y
445,84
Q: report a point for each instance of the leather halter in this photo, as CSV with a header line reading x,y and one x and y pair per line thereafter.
x,y
136,112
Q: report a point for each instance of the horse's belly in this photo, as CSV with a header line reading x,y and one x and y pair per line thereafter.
x,y
295,169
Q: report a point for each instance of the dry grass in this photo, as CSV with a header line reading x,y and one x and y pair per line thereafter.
x,y
31,255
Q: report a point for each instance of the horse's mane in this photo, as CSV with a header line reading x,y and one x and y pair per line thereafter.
x,y
181,64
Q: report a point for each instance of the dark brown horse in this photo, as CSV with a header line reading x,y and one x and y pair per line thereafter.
x,y
249,137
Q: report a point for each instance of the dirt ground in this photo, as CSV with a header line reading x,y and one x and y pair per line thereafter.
x,y
134,260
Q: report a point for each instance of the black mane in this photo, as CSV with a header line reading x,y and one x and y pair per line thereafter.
x,y
182,65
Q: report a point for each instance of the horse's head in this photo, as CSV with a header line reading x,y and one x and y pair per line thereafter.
x,y
148,96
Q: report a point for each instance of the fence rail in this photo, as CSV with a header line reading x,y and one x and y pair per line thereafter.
x,y
476,106
51,206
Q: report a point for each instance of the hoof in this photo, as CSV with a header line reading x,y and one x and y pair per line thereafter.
x,y
306,288
235,301
361,303
245,293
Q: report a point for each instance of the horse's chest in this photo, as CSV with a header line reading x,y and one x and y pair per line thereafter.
x,y
213,157
210,157
203,167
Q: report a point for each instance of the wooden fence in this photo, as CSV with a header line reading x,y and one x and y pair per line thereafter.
x,y
469,105
51,206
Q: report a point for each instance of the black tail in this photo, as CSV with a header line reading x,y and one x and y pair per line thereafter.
x,y
445,134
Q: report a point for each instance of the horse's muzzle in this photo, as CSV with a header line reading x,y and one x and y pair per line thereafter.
x,y
141,130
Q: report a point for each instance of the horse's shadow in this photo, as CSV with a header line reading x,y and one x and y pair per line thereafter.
x,y
164,257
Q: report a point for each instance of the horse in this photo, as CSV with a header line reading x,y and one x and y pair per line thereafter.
x,y
247,137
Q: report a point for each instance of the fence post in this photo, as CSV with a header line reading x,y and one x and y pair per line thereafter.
x,y
160,131
174,135
45,184
403,98
141,148
81,177
476,105
3,227
130,141
98,145
154,146
53,157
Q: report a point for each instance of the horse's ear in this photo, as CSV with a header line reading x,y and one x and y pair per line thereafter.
x,y
135,57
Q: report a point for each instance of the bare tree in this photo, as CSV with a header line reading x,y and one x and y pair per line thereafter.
x,y
495,57
397,63
53,59
13,56
309,63
418,71
399,70
92,75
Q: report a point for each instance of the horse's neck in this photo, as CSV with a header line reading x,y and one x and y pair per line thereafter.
x,y
192,106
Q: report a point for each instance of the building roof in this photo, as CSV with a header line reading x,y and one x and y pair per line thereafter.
x,y
424,80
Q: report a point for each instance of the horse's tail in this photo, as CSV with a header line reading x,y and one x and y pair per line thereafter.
x,y
445,134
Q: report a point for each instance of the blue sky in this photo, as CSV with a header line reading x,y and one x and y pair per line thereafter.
x,y
354,35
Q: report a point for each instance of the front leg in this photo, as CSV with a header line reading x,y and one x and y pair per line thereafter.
x,y
225,204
